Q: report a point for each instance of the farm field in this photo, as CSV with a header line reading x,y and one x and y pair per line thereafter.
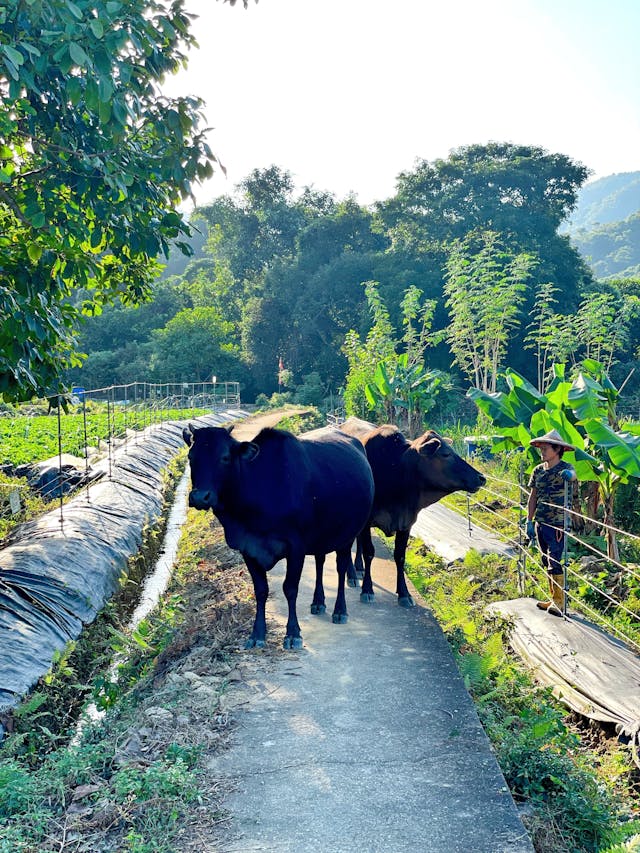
x,y
25,439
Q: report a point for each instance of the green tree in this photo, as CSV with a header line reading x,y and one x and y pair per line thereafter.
x,y
519,190
364,357
603,324
484,289
194,346
398,387
551,336
94,160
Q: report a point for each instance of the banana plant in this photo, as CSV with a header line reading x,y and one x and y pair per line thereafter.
x,y
402,390
583,410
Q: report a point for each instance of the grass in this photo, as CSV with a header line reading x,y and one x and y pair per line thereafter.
x,y
578,800
135,779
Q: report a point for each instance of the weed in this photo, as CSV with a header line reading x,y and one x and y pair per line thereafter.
x,y
575,809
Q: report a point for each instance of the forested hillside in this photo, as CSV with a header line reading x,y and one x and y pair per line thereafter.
x,y
605,225
294,290
612,251
606,201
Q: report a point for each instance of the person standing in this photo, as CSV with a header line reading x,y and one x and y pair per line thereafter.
x,y
545,512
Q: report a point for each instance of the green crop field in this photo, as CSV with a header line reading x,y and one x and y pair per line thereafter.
x,y
26,439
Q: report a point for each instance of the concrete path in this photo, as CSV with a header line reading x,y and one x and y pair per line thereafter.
x,y
365,741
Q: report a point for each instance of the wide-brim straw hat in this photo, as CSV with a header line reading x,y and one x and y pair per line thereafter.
x,y
552,437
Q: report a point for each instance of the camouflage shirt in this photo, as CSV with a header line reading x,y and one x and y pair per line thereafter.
x,y
549,487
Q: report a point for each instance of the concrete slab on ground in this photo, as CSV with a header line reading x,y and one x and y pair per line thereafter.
x,y
364,741
449,534
591,672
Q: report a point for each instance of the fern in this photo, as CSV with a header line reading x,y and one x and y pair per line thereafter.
x,y
625,838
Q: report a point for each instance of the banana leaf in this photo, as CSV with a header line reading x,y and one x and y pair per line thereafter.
x,y
621,448
495,405
586,397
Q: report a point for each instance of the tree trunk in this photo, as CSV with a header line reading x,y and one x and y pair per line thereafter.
x,y
592,503
609,519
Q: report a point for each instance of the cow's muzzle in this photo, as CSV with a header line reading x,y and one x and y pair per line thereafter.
x,y
201,499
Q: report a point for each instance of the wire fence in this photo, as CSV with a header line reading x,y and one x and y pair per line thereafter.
x,y
605,590
54,445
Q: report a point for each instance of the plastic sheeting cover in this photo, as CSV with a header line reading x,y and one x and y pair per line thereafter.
x,y
56,577
591,672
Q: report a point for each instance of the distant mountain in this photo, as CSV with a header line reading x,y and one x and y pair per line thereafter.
x,y
606,200
605,226
612,251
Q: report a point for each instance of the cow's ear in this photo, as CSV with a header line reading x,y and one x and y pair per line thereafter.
x,y
247,450
431,447
229,428
187,434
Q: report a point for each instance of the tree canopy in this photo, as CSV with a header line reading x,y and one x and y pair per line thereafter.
x,y
94,160
286,270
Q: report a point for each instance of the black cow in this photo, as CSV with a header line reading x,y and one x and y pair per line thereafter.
x,y
280,496
408,476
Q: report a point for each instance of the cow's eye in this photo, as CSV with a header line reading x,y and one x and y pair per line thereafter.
x,y
225,459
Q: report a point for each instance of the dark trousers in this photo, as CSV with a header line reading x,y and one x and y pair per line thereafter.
x,y
551,544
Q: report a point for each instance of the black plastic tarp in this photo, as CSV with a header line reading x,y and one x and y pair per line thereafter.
x,y
56,575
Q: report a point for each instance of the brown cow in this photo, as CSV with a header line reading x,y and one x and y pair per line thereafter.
x,y
408,476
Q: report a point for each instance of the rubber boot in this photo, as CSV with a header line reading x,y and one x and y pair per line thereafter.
x,y
555,605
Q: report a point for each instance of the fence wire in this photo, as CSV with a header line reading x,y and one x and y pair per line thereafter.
x,y
54,451
532,573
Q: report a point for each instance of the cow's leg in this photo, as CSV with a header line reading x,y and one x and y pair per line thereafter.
x,y
293,638
352,575
359,562
258,574
399,552
343,561
368,553
318,604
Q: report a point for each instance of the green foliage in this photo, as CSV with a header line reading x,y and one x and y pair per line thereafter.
x,y
93,165
397,387
584,412
25,439
623,839
287,270
161,779
484,287
197,343
363,358
571,808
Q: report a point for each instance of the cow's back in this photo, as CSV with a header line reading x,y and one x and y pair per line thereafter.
x,y
314,493
340,484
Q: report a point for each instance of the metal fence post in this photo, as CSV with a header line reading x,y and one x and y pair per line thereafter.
x,y
59,399
566,526
522,560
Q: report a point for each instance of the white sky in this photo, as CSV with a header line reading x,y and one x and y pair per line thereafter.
x,y
345,94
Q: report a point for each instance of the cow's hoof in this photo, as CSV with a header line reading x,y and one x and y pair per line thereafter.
x,y
340,618
252,643
292,643
366,597
406,601
352,582
317,609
